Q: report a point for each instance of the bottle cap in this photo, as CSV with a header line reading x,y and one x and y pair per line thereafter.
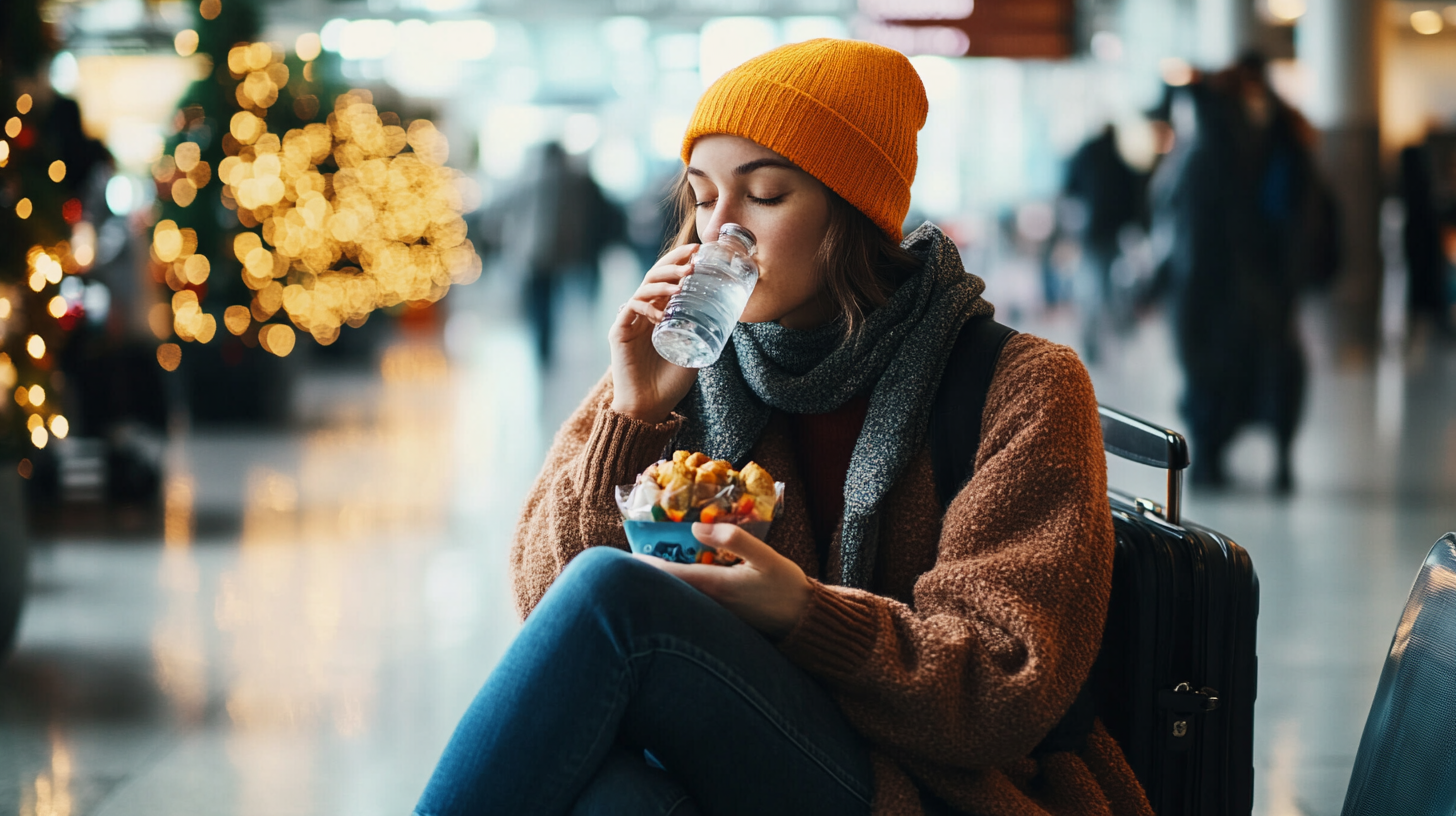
x,y
750,244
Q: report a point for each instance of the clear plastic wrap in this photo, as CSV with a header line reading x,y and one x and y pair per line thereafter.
x,y
659,508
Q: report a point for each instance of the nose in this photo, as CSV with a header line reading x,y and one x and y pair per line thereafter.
x,y
725,212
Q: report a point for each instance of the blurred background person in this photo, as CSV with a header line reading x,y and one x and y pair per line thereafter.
x,y
1249,225
1105,195
559,224
1426,297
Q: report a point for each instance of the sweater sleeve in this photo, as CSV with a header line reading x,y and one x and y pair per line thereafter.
x,y
1005,626
571,505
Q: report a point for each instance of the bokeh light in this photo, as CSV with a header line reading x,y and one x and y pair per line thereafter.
x,y
57,307
35,346
23,104
237,319
35,395
23,208
308,46
185,42
386,229
276,338
210,9
1287,10
12,127
1427,22
169,356
60,426
39,437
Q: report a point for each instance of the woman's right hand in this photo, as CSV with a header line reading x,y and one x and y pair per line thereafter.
x,y
645,386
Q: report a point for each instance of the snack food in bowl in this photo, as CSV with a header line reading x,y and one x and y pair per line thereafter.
x,y
659,509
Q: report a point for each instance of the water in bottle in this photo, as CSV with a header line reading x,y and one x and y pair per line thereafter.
x,y
700,317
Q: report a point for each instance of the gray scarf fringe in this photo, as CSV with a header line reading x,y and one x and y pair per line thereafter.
x,y
899,356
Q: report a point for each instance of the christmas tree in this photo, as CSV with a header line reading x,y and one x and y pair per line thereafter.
x,y
288,205
47,241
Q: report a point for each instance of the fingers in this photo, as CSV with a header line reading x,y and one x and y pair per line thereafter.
x,y
642,308
733,538
678,254
656,291
672,266
667,273
648,301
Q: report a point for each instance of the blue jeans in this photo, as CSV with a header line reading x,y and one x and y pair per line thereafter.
x,y
620,658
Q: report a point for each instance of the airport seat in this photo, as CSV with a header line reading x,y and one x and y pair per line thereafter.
x,y
1406,763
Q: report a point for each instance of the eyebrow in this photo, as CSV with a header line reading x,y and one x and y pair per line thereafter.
x,y
749,167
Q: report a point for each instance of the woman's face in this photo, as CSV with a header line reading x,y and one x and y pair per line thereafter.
x,y
736,181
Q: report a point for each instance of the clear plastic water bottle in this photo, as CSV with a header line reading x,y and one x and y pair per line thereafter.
x,y
699,318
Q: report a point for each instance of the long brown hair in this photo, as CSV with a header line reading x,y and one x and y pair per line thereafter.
x,y
860,265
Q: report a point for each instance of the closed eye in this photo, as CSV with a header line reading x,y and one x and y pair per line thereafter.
x,y
767,202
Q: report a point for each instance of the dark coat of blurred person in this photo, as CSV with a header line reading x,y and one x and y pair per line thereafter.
x,y
1426,297
566,222
1109,195
1250,225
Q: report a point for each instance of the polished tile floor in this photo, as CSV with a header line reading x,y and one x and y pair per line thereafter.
x,y
323,602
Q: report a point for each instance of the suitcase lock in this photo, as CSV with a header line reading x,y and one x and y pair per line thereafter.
x,y
1183,701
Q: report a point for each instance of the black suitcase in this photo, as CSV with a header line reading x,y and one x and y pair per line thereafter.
x,y
1176,678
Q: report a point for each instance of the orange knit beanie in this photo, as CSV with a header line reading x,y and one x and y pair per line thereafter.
x,y
844,111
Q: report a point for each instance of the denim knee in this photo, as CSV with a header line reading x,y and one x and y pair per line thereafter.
x,y
611,585
602,566
608,578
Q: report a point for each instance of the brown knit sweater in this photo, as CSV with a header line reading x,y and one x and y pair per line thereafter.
x,y
982,624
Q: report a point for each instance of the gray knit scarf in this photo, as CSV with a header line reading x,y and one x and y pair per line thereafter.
x,y
898,355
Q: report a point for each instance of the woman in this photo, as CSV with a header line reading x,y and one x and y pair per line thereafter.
x,y
874,655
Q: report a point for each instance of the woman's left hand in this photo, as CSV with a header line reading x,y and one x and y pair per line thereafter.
x,y
768,591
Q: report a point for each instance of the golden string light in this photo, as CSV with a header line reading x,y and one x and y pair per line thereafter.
x,y
383,230
185,42
330,248
23,104
237,319
23,208
169,356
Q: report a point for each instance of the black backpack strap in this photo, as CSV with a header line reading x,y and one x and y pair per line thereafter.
x,y
955,418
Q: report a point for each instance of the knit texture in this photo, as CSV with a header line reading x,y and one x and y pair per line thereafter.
x,y
897,356
979,624
846,112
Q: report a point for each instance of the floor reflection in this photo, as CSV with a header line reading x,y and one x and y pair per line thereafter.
x,y
312,655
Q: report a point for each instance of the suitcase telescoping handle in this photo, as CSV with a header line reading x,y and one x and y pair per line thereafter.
x,y
1141,441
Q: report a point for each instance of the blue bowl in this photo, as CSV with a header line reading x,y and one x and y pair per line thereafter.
x,y
674,541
